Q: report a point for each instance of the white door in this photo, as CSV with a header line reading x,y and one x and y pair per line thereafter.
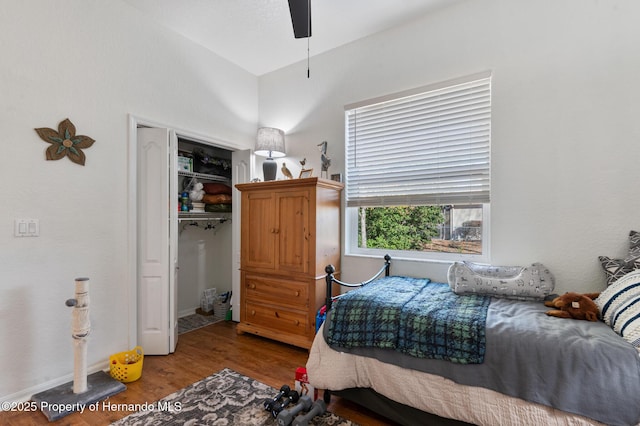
x,y
173,241
242,165
157,240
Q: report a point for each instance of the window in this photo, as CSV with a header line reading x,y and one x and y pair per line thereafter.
x,y
418,172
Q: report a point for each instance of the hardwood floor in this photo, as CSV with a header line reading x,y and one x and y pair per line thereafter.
x,y
199,354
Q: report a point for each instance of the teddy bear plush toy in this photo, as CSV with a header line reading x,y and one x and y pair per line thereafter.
x,y
574,305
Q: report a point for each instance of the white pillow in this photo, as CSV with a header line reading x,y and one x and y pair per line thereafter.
x,y
533,282
619,306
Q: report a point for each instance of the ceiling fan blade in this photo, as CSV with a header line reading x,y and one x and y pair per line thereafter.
x,y
300,17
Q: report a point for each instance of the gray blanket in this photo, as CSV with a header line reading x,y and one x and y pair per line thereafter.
x,y
580,367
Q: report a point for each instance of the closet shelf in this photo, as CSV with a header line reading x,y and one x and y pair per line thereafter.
x,y
213,178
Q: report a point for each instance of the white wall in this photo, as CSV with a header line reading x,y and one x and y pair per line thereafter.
x,y
94,62
565,128
205,262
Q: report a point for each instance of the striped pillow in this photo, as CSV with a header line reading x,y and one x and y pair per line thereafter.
x,y
619,306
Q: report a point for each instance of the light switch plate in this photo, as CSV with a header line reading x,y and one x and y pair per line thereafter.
x,y
26,227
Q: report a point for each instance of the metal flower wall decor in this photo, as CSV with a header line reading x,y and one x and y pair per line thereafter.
x,y
65,142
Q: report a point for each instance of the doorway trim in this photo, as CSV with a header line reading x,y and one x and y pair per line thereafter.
x,y
132,225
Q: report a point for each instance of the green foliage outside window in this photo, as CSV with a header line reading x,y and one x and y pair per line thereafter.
x,y
398,228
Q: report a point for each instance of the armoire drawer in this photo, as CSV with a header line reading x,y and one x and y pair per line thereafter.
x,y
284,292
276,318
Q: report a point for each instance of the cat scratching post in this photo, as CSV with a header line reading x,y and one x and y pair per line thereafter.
x,y
85,390
81,327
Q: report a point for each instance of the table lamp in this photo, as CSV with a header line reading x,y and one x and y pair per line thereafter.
x,y
270,143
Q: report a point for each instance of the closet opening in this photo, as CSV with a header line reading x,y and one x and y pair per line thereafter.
x,y
182,247
204,234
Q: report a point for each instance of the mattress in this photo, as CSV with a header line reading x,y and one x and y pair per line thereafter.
x,y
330,369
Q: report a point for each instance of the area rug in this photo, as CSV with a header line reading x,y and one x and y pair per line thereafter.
x,y
224,398
196,321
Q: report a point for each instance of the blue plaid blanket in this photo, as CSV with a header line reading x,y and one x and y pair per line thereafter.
x,y
414,316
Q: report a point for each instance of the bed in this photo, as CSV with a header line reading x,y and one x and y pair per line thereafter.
x,y
515,365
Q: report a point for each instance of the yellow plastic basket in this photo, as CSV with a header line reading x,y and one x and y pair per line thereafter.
x,y
127,366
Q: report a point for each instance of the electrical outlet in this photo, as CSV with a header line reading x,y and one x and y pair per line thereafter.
x,y
26,227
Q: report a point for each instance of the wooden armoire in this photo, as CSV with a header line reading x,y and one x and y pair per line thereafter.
x,y
290,231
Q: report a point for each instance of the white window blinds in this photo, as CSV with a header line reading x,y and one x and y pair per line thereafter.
x,y
431,147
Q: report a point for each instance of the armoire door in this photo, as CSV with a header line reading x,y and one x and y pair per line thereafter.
x,y
157,240
293,224
259,230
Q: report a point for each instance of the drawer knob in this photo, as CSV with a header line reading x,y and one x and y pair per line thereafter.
x,y
297,322
253,312
297,293
252,286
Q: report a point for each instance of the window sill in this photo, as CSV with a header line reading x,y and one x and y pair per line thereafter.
x,y
423,257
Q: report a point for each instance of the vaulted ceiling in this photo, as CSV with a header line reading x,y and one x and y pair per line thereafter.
x,y
257,35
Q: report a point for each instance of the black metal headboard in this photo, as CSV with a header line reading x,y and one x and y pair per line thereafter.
x,y
330,279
